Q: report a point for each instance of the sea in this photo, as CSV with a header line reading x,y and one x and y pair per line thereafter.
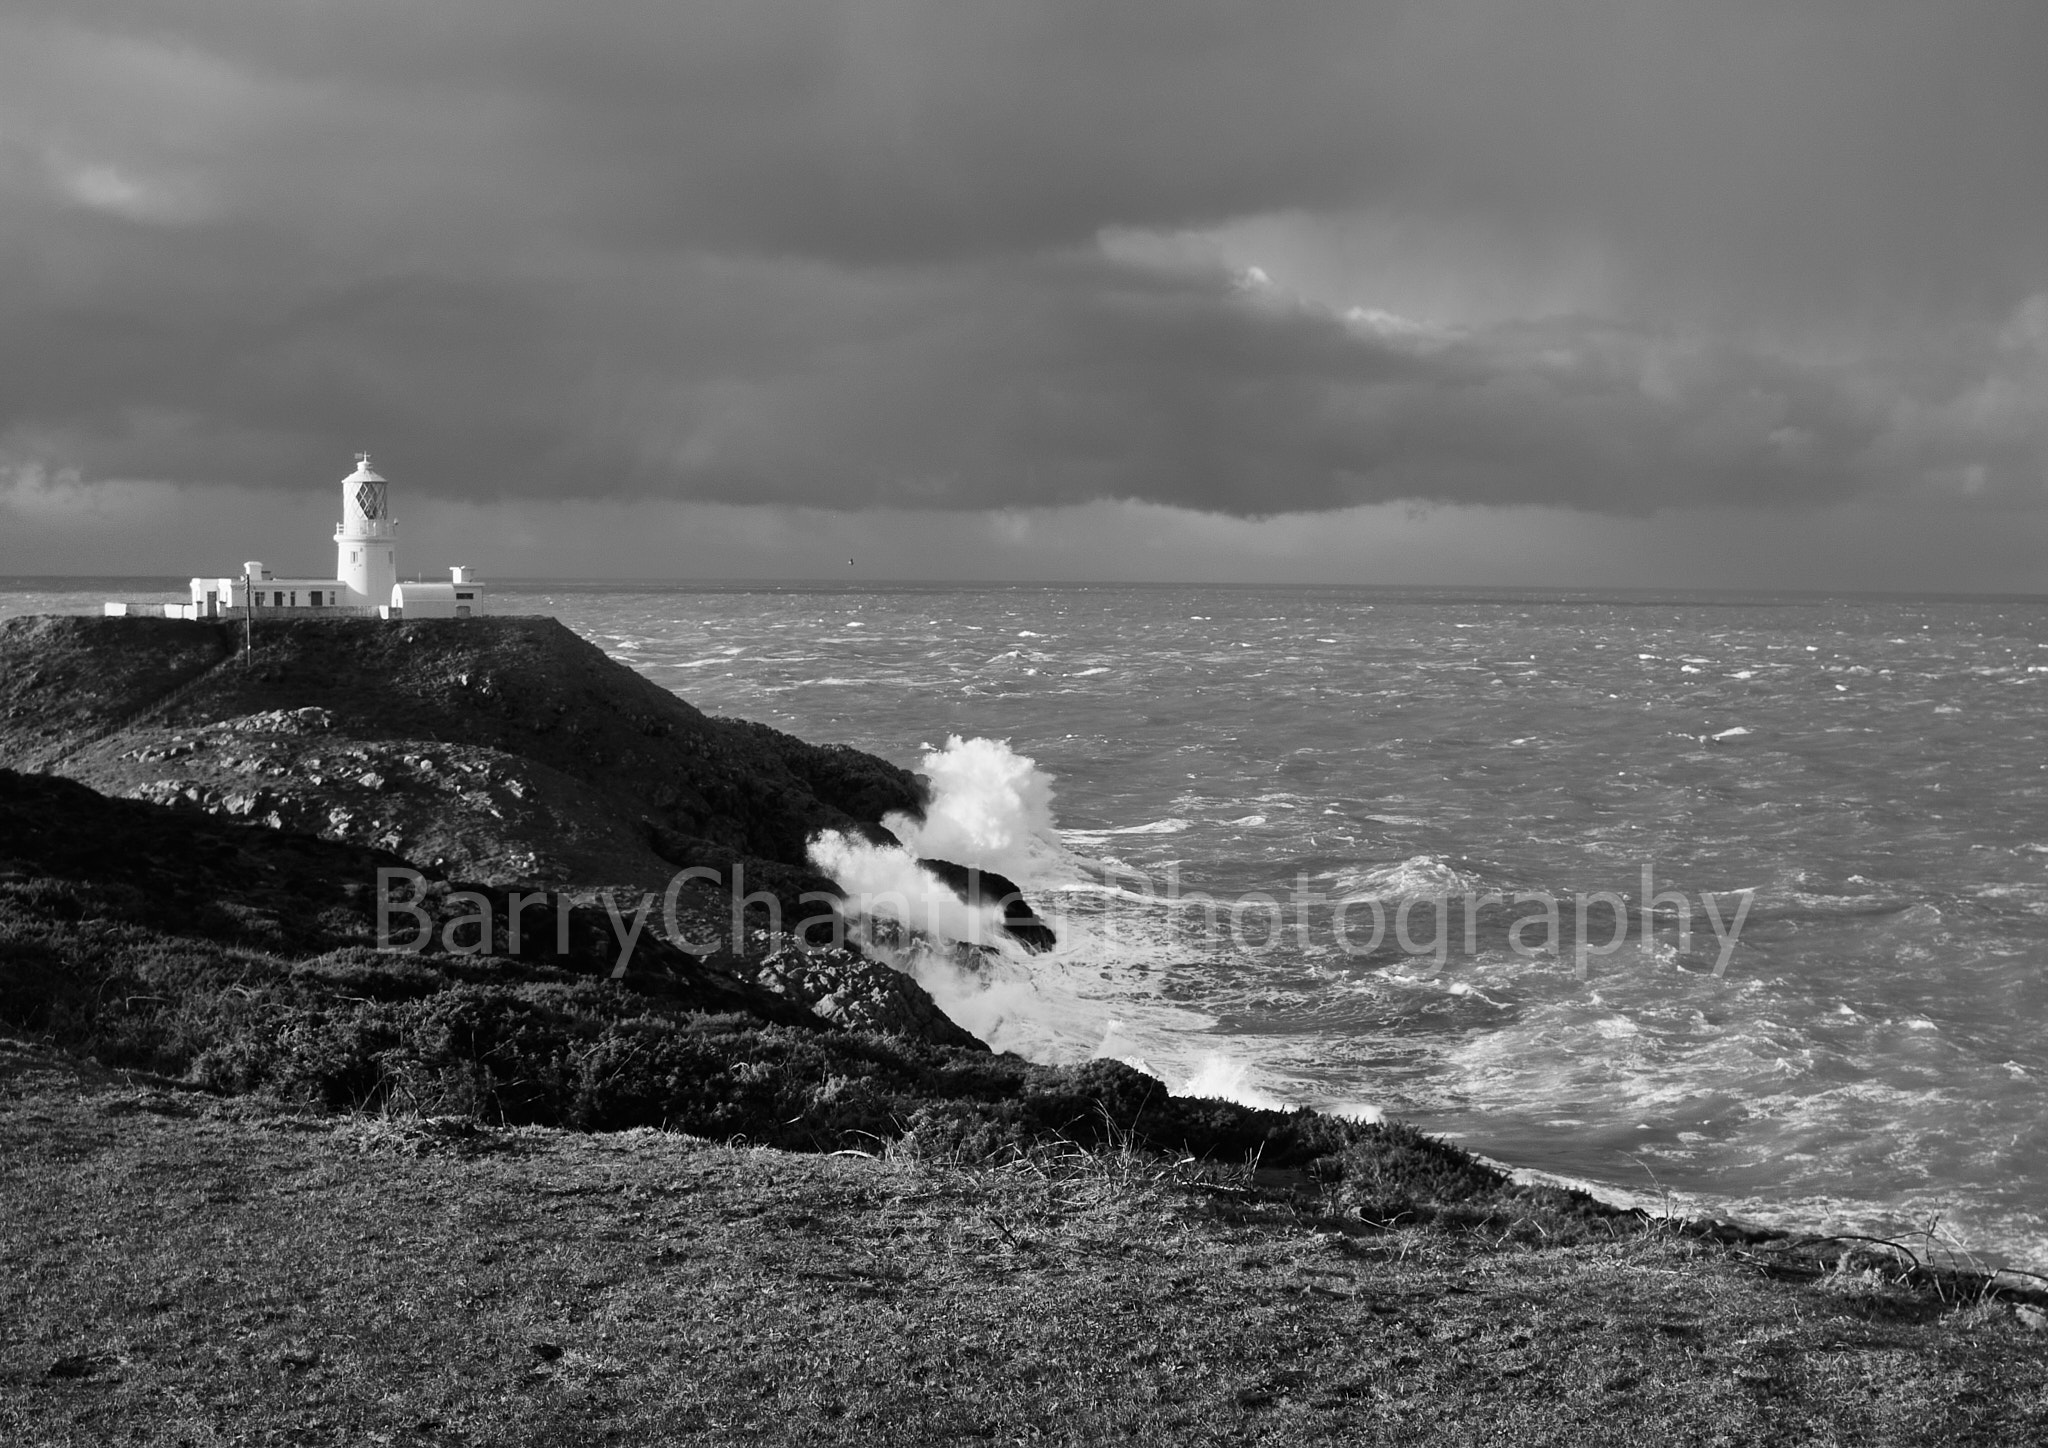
x,y
1268,826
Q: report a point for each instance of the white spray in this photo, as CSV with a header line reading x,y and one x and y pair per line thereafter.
x,y
991,809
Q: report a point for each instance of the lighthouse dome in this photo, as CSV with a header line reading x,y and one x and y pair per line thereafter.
x,y
363,474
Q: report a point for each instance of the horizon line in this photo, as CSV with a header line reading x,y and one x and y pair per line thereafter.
x,y
23,581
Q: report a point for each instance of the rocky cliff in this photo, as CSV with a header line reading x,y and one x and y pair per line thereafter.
x,y
502,750
111,909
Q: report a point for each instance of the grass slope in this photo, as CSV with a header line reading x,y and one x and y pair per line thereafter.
x,y
182,1270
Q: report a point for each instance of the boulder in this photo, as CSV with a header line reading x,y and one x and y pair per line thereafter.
x,y
976,886
841,985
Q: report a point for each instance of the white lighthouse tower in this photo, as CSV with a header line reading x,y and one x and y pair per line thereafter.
x,y
365,575
365,555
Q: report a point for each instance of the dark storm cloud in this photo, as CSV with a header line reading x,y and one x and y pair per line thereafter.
x,y
844,253
873,130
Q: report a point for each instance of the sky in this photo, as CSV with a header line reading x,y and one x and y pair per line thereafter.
x,y
1737,293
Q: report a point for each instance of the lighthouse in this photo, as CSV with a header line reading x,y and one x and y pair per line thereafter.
x,y
365,578
365,554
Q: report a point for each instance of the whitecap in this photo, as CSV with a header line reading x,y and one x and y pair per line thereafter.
x,y
1422,876
1089,888
1157,827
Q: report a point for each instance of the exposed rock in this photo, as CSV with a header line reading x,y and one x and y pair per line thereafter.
x,y
579,748
977,886
843,986
196,879
507,751
309,720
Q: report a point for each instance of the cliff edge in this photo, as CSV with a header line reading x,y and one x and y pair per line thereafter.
x,y
504,750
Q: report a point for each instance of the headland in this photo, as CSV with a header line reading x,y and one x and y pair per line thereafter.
x,y
219,1076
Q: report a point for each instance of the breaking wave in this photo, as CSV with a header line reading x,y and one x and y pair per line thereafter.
x,y
990,808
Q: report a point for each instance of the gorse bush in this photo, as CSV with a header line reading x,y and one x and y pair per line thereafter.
x,y
520,1043
513,1043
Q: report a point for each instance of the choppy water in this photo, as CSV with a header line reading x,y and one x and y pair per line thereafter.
x,y
1872,768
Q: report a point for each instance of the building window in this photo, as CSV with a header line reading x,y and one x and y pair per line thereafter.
x,y
316,598
277,600
465,595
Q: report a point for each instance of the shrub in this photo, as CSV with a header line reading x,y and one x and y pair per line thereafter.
x,y
523,1042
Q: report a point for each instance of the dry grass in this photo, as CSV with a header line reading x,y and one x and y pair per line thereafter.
x,y
182,1269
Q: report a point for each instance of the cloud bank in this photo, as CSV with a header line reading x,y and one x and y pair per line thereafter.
x,y
909,254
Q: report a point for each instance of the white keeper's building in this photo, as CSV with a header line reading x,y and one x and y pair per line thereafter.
x,y
365,567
